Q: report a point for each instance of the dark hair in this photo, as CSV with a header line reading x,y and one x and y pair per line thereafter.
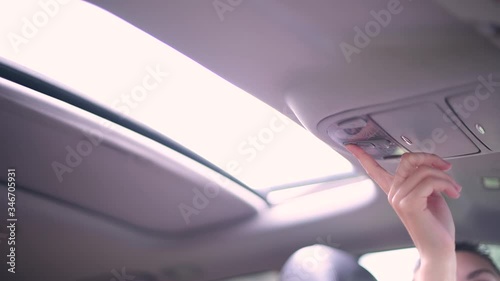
x,y
476,249
473,248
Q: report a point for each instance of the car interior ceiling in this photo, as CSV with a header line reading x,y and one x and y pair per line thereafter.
x,y
430,79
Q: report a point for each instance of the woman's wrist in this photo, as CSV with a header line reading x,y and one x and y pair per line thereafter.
x,y
437,268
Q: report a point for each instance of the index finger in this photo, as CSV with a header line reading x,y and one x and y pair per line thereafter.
x,y
372,168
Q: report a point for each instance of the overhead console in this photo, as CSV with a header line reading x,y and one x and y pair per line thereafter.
x,y
481,115
451,123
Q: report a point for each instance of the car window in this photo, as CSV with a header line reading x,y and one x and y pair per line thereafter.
x,y
391,265
495,253
264,276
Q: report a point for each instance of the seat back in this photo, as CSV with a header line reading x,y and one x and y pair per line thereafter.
x,y
323,263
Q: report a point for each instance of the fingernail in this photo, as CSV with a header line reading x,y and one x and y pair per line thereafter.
x,y
448,165
458,187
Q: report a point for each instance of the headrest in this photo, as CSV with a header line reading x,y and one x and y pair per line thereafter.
x,y
323,263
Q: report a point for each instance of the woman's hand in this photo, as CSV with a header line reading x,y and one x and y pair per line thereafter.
x,y
415,193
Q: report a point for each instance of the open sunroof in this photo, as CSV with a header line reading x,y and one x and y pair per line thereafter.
x,y
128,71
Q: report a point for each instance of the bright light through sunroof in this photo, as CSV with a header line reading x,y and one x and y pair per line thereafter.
x,y
116,65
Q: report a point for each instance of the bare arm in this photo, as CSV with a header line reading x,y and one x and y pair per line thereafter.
x,y
415,193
